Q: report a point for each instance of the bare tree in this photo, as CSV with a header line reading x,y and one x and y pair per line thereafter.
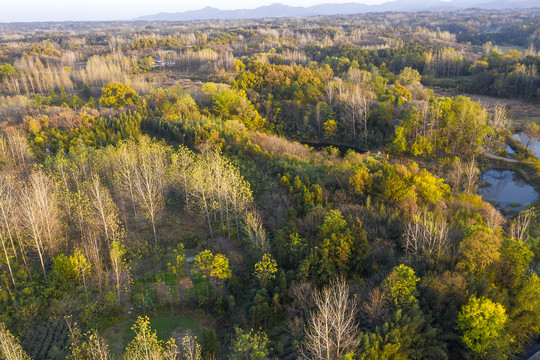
x,y
14,149
39,215
151,180
103,209
183,161
93,252
427,235
7,223
358,101
253,227
377,306
471,177
332,328
519,227
125,169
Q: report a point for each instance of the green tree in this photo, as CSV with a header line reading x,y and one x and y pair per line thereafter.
x,y
209,343
514,262
379,85
233,104
64,269
336,245
482,323
409,76
524,322
249,346
400,286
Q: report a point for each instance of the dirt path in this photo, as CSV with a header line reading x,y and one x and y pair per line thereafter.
x,y
514,161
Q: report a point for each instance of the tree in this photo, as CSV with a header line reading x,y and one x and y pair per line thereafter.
x,y
478,250
39,213
119,266
265,269
253,227
332,329
379,85
211,266
81,265
359,101
10,349
520,225
8,220
249,346
233,104
103,209
399,93
409,76
117,95
146,346
400,286
209,342
336,245
361,181
90,346
524,322
330,129
482,323
151,180
125,169
427,235
191,350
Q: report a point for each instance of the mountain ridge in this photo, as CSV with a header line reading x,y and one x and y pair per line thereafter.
x,y
278,10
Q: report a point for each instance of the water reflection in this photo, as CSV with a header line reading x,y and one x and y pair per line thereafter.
x,y
530,143
507,189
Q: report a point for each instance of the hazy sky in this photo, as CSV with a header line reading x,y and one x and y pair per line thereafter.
x,y
62,10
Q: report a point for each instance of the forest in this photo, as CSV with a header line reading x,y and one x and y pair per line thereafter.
x,y
359,187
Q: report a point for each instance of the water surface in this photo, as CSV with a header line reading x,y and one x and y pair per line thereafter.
x,y
507,190
530,143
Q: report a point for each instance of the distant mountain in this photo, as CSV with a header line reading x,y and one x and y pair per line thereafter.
x,y
280,10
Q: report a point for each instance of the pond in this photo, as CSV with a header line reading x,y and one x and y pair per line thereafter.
x,y
530,143
506,189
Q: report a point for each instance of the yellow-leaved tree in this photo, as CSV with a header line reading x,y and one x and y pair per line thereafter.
x,y
265,269
211,267
146,346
